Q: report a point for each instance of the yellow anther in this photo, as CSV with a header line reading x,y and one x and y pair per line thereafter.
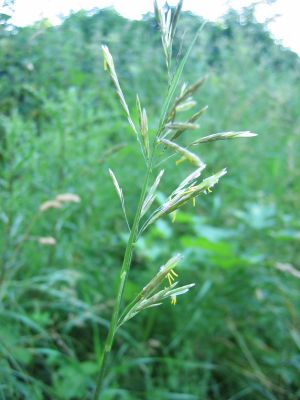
x,y
173,272
209,190
171,276
194,201
170,279
173,300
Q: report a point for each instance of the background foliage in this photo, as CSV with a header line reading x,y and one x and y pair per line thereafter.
x,y
237,334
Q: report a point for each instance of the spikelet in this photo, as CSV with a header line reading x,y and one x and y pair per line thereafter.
x,y
190,90
143,122
182,126
156,300
185,99
224,136
190,180
160,276
109,65
186,154
175,17
183,194
164,21
187,105
151,194
120,195
189,123
167,23
150,297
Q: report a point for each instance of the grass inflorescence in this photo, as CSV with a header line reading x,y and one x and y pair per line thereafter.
x,y
189,189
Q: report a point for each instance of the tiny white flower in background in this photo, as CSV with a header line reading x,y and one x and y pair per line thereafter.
x,y
289,268
68,198
48,240
49,204
30,66
259,294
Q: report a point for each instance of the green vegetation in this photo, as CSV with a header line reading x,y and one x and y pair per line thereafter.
x,y
236,335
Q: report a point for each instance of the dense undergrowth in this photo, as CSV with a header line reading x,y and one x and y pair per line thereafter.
x,y
237,335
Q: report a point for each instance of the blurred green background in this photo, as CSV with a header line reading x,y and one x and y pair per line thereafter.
x,y
236,335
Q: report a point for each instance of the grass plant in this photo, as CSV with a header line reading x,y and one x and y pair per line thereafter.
x,y
236,334
151,145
